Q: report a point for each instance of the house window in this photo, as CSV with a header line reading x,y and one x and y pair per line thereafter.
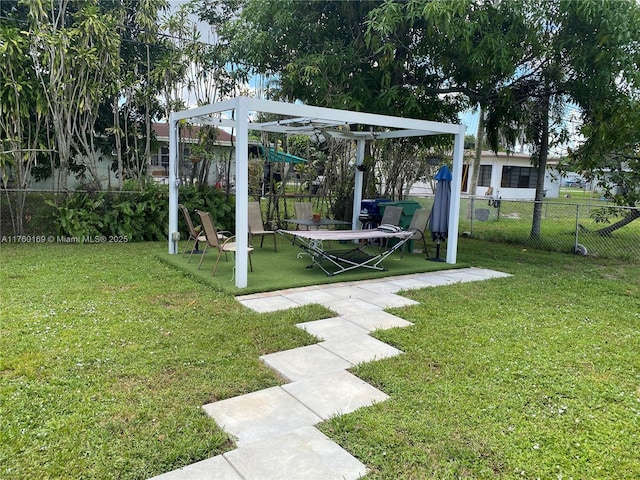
x,y
484,175
518,177
164,157
185,159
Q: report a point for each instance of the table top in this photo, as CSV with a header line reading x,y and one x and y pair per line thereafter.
x,y
308,222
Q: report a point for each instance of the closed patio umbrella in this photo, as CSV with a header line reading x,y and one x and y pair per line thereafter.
x,y
439,220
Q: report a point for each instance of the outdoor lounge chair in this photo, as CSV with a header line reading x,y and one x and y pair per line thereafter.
x,y
304,212
256,227
418,226
344,260
391,215
213,240
194,235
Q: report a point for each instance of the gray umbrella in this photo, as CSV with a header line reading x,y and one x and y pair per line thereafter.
x,y
439,220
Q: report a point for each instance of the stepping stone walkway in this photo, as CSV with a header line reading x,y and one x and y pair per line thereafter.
x,y
274,428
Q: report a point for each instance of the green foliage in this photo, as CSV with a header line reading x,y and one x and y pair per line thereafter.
x,y
604,215
610,153
79,215
135,215
213,200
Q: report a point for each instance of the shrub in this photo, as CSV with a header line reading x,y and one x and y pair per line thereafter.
x,y
137,215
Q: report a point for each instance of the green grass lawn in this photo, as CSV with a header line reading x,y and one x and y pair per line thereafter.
x,y
107,353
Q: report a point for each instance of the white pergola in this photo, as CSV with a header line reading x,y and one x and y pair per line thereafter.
x,y
302,119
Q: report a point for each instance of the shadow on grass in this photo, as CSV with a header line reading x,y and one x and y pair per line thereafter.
x,y
287,269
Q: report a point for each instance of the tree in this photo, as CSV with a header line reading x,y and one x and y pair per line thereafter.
x,y
321,53
75,55
610,155
523,61
134,104
22,117
211,74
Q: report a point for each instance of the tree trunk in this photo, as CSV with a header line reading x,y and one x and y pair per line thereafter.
x,y
629,217
118,144
148,121
473,185
543,153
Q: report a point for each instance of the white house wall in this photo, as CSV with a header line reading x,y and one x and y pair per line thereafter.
x,y
498,162
106,176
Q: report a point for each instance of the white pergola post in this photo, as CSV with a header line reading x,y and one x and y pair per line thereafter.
x,y
357,193
456,187
174,183
242,191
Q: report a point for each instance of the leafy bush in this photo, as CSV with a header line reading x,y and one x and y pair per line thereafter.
x,y
79,215
136,215
212,200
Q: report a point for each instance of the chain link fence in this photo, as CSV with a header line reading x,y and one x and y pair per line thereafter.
x,y
583,229
564,227
34,217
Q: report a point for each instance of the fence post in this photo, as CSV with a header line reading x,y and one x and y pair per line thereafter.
x,y
473,213
575,246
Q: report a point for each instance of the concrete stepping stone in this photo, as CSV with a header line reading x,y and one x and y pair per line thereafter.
x,y
386,300
413,283
305,297
304,362
269,304
379,320
302,454
258,415
360,348
215,468
351,305
486,274
336,327
343,291
335,393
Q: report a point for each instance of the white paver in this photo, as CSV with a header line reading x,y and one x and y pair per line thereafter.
x,y
380,320
263,414
335,327
388,300
304,362
335,393
315,296
360,348
354,305
216,468
302,454
270,304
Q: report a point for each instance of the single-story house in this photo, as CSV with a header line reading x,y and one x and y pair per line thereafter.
x,y
158,166
511,177
223,154
506,176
